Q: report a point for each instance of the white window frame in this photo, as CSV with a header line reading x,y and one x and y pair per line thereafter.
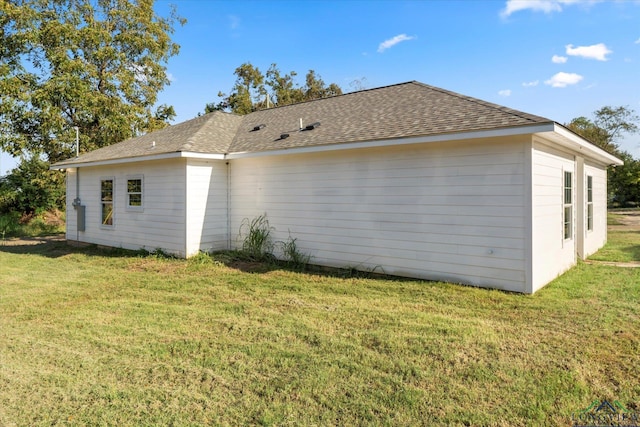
x,y
567,204
589,200
134,208
103,203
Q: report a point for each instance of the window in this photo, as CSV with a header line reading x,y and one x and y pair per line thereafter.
x,y
568,205
134,193
106,199
589,203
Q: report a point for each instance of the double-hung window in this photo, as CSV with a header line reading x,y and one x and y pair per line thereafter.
x,y
589,203
106,202
134,193
568,205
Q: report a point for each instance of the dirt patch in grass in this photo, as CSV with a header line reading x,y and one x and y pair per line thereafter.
x,y
628,220
31,241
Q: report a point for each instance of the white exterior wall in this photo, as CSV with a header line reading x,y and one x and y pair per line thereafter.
x,y
71,214
552,254
161,223
445,211
596,238
206,206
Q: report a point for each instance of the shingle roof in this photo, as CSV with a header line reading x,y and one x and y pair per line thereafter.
x,y
399,111
211,133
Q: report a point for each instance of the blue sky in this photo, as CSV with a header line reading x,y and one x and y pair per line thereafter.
x,y
556,58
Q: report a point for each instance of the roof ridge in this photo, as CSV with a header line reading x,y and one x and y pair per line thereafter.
x,y
505,109
333,96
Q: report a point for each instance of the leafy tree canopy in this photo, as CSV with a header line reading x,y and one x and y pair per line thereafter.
x,y
607,127
609,124
254,90
31,187
93,64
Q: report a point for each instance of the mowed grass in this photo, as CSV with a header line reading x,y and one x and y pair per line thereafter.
x,y
89,337
623,244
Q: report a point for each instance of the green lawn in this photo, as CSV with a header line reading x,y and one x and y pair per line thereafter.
x,y
97,338
622,245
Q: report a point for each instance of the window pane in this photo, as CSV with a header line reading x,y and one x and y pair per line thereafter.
x,y
589,189
107,214
134,186
568,186
134,193
106,197
590,216
567,222
106,190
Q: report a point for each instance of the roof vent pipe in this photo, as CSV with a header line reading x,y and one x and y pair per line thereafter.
x,y
300,124
77,141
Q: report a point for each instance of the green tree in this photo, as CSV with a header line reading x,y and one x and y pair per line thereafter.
x,y
315,87
93,64
607,127
283,87
594,133
246,92
31,187
254,91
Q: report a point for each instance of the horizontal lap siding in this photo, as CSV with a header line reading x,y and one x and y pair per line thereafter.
x,y
596,238
206,205
552,255
161,223
447,211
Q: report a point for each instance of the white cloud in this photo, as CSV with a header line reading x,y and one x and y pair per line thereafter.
x,y
596,51
546,6
234,22
393,41
637,41
563,79
530,84
557,59
505,92
171,77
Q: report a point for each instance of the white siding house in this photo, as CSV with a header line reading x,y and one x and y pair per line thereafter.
x,y
159,222
407,180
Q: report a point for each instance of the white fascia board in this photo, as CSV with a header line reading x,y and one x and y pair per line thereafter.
x,y
492,133
206,156
573,141
163,156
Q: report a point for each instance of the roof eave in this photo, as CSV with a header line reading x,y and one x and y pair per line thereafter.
x,y
571,140
160,156
458,136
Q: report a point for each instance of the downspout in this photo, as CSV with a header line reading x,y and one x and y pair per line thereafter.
x,y
77,203
228,206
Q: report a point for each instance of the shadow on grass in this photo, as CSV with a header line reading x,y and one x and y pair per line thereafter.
x,y
56,246
238,261
634,251
628,243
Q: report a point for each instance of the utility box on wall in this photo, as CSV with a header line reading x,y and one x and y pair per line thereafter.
x,y
81,214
